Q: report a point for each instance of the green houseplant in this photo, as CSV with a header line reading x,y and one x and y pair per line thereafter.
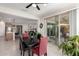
x,y
71,46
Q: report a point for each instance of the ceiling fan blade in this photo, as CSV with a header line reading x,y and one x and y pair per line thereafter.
x,y
29,5
37,7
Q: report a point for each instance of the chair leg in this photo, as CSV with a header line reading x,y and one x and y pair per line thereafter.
x,y
45,54
32,53
38,54
23,52
20,47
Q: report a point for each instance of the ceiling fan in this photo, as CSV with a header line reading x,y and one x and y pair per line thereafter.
x,y
34,5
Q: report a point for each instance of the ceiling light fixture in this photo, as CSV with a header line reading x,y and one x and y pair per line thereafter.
x,y
34,5
45,4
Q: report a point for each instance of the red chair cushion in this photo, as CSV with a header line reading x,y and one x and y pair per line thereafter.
x,y
25,36
36,50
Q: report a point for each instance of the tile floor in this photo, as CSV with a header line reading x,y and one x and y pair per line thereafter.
x,y
11,48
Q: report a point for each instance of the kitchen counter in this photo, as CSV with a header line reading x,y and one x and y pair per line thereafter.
x,y
9,36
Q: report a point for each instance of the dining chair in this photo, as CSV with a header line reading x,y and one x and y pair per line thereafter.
x,y
42,47
22,45
25,36
23,48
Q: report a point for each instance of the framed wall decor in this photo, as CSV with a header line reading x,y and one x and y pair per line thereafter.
x,y
41,25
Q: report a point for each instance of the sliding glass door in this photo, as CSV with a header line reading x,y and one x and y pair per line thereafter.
x,y
52,28
64,27
58,27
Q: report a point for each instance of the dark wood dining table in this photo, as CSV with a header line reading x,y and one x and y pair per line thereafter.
x,y
30,44
30,50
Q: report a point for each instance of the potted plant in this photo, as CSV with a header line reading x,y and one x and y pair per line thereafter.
x,y
71,46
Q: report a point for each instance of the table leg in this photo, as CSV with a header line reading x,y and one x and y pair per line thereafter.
x,y
30,52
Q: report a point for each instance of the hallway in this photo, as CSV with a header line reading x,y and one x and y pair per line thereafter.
x,y
11,48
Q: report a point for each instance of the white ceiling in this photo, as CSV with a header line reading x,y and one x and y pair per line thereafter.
x,y
45,10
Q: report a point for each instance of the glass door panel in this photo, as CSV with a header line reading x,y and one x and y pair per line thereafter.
x,y
52,28
64,27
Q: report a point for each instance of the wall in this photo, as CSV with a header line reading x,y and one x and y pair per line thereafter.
x,y
77,21
72,22
2,28
18,21
24,27
43,31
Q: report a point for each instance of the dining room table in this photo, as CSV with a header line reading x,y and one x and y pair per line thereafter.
x,y
30,43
